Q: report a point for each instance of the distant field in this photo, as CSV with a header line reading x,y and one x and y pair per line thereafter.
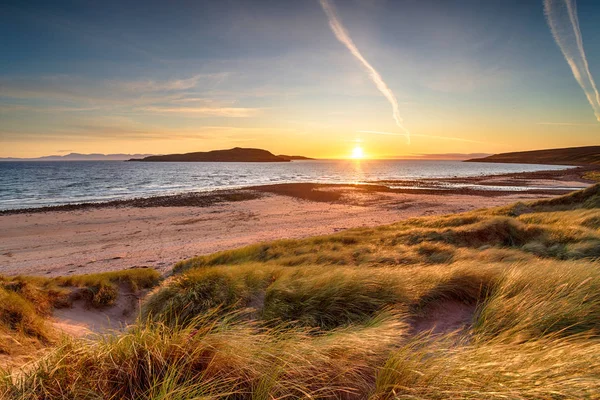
x,y
589,155
501,303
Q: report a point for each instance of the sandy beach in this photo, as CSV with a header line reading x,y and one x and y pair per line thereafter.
x,y
158,232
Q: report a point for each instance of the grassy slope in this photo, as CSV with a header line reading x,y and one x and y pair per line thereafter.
x,y
331,316
26,302
592,176
588,155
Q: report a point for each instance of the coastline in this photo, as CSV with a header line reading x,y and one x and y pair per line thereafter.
x,y
552,182
158,232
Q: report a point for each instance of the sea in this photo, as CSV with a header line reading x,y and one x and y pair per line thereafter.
x,y
37,184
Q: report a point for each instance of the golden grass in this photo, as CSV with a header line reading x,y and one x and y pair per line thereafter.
x,y
212,360
562,228
103,288
335,317
592,176
544,368
26,302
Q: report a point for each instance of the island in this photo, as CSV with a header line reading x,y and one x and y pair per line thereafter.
x,y
237,154
587,155
295,158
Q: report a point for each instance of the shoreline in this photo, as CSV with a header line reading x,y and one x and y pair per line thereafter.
x,y
160,231
320,191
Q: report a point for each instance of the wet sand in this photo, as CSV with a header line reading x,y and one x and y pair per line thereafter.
x,y
158,232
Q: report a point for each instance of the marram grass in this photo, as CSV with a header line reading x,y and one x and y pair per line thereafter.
x,y
337,317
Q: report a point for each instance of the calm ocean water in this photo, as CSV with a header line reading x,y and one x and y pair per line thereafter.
x,y
34,184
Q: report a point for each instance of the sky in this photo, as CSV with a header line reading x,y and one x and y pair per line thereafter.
x,y
162,77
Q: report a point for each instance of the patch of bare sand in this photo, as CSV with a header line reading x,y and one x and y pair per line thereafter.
x,y
108,239
443,317
80,320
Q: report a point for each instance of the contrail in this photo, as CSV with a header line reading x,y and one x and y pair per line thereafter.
x,y
428,136
564,24
342,35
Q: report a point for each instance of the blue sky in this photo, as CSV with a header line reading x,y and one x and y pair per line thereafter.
x,y
159,77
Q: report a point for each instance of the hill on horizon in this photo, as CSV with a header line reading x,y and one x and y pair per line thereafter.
x,y
80,157
586,155
295,158
237,154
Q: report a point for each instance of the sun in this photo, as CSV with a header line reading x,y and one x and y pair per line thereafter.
x,y
358,153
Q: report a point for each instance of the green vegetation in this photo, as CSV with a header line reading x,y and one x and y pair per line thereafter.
x,y
495,304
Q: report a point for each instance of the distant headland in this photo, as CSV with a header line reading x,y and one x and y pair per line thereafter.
x,y
80,157
237,154
588,155
295,158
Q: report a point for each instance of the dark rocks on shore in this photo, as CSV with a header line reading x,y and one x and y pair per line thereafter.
x,y
197,199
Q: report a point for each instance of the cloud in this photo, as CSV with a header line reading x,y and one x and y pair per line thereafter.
x,y
10,108
122,128
200,100
104,92
445,156
564,24
14,107
342,35
565,124
231,112
55,94
427,136
71,89
167,85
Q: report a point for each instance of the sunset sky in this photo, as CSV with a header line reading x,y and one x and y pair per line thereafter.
x,y
180,76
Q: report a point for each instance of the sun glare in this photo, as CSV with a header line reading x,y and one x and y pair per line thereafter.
x,y
358,153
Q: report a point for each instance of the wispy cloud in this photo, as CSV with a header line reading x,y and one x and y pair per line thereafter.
x,y
232,112
10,108
77,90
565,124
444,156
73,94
342,35
564,24
113,128
427,136
198,100
112,92
150,85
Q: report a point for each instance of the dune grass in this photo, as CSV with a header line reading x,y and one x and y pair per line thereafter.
x,y
26,302
102,289
336,317
569,233
592,176
542,368
224,359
